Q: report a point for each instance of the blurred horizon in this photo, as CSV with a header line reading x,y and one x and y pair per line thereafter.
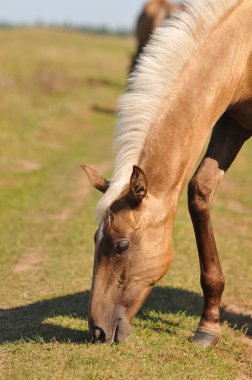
x,y
112,14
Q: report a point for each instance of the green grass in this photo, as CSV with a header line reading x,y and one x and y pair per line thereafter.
x,y
58,91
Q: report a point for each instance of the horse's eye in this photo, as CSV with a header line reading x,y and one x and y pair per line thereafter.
x,y
121,246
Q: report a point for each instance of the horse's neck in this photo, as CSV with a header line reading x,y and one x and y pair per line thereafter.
x,y
210,83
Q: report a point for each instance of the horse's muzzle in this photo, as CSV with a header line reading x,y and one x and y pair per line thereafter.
x,y
117,333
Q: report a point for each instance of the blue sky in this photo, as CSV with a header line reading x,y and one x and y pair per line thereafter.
x,y
111,13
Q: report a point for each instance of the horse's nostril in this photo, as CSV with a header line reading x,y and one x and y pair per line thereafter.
x,y
99,334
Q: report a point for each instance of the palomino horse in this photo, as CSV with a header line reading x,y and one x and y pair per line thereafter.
x,y
152,15
194,77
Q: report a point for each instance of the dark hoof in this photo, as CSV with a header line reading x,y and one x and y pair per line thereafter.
x,y
206,338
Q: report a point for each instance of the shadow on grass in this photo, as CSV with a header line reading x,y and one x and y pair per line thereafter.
x,y
27,321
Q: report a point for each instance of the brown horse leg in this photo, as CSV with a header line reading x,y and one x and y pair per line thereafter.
x,y
226,141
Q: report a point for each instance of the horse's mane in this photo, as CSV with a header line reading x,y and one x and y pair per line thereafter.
x,y
152,82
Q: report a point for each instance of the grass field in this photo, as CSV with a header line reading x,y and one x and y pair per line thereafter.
x,y
58,92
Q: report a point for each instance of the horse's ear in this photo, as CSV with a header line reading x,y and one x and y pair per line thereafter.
x,y
138,185
96,179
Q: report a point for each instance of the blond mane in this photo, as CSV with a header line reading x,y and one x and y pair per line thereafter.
x,y
152,83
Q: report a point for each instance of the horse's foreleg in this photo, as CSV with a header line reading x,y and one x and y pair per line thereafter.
x,y
226,140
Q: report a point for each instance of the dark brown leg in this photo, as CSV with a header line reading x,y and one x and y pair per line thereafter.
x,y
226,141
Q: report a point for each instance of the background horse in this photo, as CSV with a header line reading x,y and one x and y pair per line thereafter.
x,y
193,78
152,15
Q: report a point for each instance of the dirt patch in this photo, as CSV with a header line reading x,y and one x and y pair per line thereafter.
x,y
63,215
238,309
242,376
7,83
27,262
53,145
3,182
247,340
24,166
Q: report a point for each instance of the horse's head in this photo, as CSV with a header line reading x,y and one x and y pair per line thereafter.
x,y
133,249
